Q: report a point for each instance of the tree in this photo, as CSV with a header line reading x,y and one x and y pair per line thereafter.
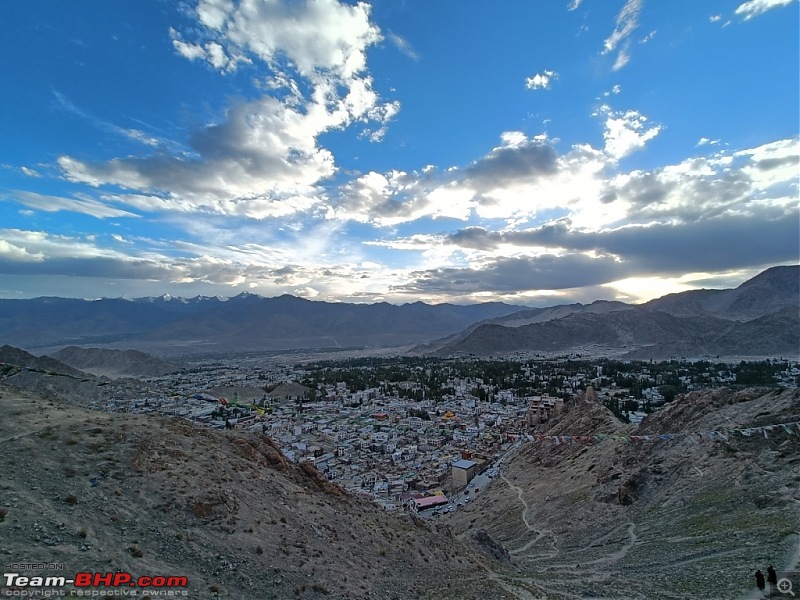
x,y
630,406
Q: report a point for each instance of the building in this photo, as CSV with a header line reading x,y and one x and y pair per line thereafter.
x,y
543,408
418,504
463,472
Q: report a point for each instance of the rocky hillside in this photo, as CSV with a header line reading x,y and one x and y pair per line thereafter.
x,y
640,333
25,360
768,292
152,496
114,363
759,318
686,517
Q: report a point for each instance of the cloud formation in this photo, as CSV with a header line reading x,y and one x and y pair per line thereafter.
x,y
260,175
723,212
754,8
541,81
84,205
263,157
627,22
626,131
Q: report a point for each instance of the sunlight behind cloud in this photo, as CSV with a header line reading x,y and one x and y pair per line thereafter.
x,y
637,290
350,150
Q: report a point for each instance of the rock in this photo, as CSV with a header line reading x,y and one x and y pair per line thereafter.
x,y
492,547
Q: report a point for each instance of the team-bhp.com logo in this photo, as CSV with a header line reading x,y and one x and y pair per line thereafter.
x,y
93,584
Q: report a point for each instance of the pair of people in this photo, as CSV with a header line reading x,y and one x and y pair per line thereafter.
x,y
772,579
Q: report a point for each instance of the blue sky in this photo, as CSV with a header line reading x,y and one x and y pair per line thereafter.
x,y
530,152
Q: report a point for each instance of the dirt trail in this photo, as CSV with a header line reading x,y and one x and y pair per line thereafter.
x,y
540,533
17,435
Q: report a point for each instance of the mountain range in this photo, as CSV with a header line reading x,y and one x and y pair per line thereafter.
x,y
757,318
760,317
247,322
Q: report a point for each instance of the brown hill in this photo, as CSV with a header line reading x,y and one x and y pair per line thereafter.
x,y
621,329
759,318
680,518
770,291
288,391
642,333
19,358
114,363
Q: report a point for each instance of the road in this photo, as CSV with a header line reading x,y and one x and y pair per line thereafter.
x,y
479,482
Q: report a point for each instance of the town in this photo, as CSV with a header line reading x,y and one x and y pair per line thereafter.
x,y
411,433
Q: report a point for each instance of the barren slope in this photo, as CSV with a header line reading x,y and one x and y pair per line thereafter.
x,y
686,518
114,363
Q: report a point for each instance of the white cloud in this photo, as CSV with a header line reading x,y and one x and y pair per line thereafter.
x,y
541,81
623,57
627,23
261,158
626,132
648,37
323,35
704,141
46,246
773,164
190,51
754,8
263,153
18,253
715,18
306,292
574,4
30,172
404,46
213,13
84,205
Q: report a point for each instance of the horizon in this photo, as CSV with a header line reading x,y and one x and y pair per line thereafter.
x,y
534,154
247,293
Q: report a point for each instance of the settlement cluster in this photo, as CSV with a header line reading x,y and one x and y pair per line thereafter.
x,y
402,453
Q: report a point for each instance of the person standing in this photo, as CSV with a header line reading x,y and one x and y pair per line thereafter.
x,y
772,579
760,580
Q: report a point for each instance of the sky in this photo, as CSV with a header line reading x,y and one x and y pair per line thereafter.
x,y
535,153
